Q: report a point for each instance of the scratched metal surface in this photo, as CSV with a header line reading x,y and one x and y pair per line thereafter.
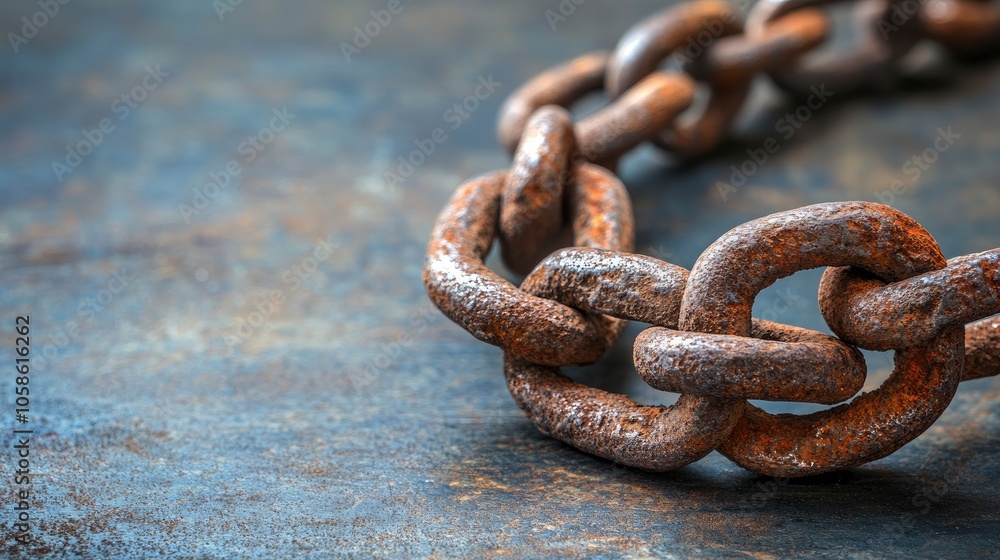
x,y
172,418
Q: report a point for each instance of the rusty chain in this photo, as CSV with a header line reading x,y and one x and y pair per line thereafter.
x,y
564,219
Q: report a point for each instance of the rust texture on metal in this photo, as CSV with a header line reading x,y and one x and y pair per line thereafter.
x,y
876,238
982,339
887,285
873,315
531,213
777,363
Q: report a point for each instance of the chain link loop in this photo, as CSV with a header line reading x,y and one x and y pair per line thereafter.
x,y
887,285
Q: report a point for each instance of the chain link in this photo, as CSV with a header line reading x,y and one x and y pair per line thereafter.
x,y
887,285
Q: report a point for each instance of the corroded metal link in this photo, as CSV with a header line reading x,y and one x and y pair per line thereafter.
x,y
779,363
639,115
624,285
888,286
982,349
870,427
736,59
701,134
645,45
532,210
562,85
491,308
965,26
600,209
654,438
873,315
873,237
886,43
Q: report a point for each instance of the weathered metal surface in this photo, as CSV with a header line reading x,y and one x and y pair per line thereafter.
x,y
357,421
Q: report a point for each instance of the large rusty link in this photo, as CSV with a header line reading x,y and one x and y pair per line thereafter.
x,y
645,45
876,238
564,220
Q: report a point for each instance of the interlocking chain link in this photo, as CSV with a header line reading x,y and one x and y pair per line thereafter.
x,y
563,219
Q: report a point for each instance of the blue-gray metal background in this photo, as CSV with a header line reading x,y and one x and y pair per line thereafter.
x,y
186,416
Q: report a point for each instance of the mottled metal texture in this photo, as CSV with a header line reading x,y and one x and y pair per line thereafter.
x,y
357,421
